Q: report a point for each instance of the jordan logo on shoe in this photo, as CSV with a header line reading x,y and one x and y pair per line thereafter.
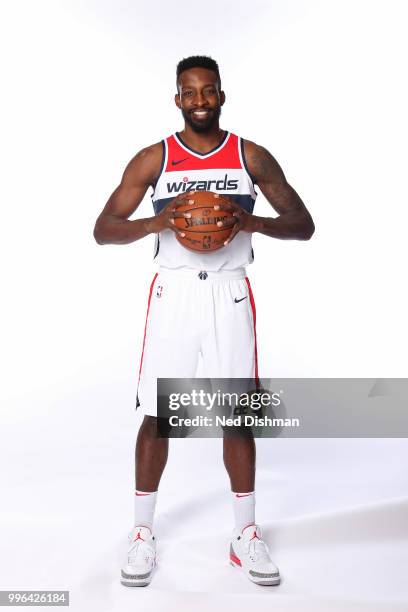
x,y
138,537
236,300
255,536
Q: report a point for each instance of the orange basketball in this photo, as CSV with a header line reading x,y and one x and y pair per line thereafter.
x,y
202,233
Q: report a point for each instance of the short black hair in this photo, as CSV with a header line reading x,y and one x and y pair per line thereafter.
x,y
198,61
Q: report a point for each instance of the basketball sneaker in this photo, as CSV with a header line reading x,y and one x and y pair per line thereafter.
x,y
250,553
141,558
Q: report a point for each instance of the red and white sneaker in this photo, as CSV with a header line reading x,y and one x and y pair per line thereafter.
x,y
141,558
250,553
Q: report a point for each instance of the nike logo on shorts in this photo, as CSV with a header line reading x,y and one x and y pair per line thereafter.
x,y
240,300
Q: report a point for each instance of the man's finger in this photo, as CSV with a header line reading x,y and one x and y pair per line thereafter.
x,y
176,230
183,202
182,199
226,206
181,215
186,202
186,195
229,222
233,234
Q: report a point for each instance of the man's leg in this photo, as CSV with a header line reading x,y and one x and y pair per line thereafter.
x,y
150,455
150,460
168,352
247,549
229,351
239,460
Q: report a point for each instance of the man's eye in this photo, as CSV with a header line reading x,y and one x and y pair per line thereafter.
x,y
187,93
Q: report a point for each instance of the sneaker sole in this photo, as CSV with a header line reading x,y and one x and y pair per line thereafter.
x,y
136,582
260,581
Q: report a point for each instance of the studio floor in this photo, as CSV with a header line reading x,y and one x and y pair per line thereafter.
x,y
334,513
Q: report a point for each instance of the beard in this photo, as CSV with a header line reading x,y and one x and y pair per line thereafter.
x,y
202,126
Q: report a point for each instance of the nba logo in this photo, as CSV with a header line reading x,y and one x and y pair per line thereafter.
x,y
206,242
159,291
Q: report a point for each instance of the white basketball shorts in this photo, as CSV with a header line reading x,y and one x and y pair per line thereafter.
x,y
192,314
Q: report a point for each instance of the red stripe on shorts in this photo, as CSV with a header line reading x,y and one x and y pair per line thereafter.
x,y
147,314
252,301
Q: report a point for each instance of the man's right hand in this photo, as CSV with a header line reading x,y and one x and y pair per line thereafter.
x,y
113,225
165,218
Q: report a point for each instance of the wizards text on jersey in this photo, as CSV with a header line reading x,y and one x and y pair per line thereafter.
x,y
224,184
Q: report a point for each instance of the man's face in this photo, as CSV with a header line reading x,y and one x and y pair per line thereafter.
x,y
199,98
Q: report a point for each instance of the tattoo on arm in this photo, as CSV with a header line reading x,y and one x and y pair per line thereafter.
x,y
265,166
271,180
294,220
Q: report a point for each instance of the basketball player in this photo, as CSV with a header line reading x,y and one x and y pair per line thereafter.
x,y
207,294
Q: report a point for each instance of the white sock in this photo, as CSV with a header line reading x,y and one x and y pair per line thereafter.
x,y
145,503
244,509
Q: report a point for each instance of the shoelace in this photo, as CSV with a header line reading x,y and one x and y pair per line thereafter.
x,y
139,553
257,550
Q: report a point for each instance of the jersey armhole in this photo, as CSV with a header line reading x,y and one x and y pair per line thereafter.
x,y
162,165
244,163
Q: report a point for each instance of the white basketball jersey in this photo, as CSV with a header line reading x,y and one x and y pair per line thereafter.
x,y
222,170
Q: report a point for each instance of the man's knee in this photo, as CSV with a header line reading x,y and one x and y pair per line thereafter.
x,y
232,432
149,426
157,427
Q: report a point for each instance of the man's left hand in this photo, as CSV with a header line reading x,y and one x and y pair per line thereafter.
x,y
241,219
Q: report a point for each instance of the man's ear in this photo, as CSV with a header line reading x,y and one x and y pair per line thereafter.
x,y
222,97
177,100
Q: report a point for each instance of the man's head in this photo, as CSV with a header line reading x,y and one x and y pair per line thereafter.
x,y
199,94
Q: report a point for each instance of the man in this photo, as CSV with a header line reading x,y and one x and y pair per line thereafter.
x,y
192,292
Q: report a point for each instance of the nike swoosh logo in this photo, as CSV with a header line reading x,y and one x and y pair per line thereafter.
x,y
174,162
138,494
237,300
244,495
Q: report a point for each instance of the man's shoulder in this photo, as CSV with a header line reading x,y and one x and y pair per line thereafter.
x,y
150,155
146,162
255,152
250,146
151,151
251,153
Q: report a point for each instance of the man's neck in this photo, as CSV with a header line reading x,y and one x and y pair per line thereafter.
x,y
204,141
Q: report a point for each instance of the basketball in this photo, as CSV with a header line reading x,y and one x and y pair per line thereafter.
x,y
202,233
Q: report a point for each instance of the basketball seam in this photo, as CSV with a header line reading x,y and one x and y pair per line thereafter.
x,y
223,229
199,208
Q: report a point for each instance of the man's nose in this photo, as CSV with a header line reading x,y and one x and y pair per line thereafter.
x,y
200,100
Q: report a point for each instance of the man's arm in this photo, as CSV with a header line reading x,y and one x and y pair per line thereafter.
x,y
294,221
113,225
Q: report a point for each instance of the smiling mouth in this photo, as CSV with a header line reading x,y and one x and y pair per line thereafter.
x,y
201,114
